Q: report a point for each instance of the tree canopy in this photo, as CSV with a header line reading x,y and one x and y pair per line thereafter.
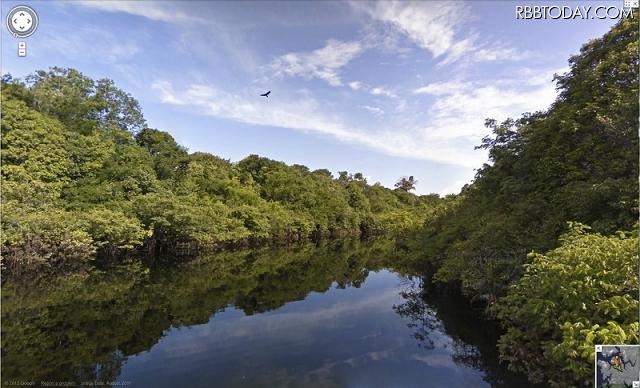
x,y
82,172
574,164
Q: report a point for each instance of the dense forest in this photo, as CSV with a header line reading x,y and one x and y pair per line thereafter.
x,y
549,175
83,174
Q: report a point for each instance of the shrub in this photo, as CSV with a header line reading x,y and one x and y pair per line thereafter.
x,y
583,293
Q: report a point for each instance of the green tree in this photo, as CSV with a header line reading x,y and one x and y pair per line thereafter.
x,y
406,184
583,293
575,162
80,148
81,103
169,157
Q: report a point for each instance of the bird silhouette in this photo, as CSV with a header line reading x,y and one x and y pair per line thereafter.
x,y
266,94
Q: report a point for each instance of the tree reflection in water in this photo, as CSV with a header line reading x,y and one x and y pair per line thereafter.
x,y
422,318
82,327
431,312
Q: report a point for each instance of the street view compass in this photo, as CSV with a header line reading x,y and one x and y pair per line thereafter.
x,y
22,21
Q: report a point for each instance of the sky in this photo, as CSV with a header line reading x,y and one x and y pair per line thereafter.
x,y
389,89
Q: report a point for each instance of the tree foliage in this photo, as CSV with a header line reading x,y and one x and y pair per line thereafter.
x,y
77,153
406,184
578,161
575,162
583,293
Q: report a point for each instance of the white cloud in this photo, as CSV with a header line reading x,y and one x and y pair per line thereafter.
x,y
373,109
356,85
324,63
379,91
470,51
75,43
431,25
166,93
124,49
446,87
437,27
154,10
493,101
463,49
201,32
457,116
376,91
302,114
446,131
305,114
499,54
535,77
453,124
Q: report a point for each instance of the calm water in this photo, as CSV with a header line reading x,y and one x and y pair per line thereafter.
x,y
340,315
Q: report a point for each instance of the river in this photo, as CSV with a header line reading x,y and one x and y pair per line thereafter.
x,y
342,314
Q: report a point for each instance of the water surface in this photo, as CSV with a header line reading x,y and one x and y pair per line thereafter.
x,y
344,314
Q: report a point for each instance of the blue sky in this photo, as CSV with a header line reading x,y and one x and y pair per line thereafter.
x,y
388,89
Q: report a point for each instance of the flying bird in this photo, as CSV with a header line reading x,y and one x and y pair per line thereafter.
x,y
266,94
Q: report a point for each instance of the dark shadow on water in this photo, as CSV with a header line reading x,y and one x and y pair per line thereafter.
x,y
430,310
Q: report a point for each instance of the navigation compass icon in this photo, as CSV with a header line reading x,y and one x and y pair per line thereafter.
x,y
22,21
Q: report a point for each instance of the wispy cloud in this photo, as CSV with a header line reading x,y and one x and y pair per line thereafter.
x,y
471,50
375,91
380,91
356,85
155,10
446,87
199,30
500,54
492,100
373,109
431,25
301,114
305,114
459,109
323,63
449,137
441,121
75,43
437,27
